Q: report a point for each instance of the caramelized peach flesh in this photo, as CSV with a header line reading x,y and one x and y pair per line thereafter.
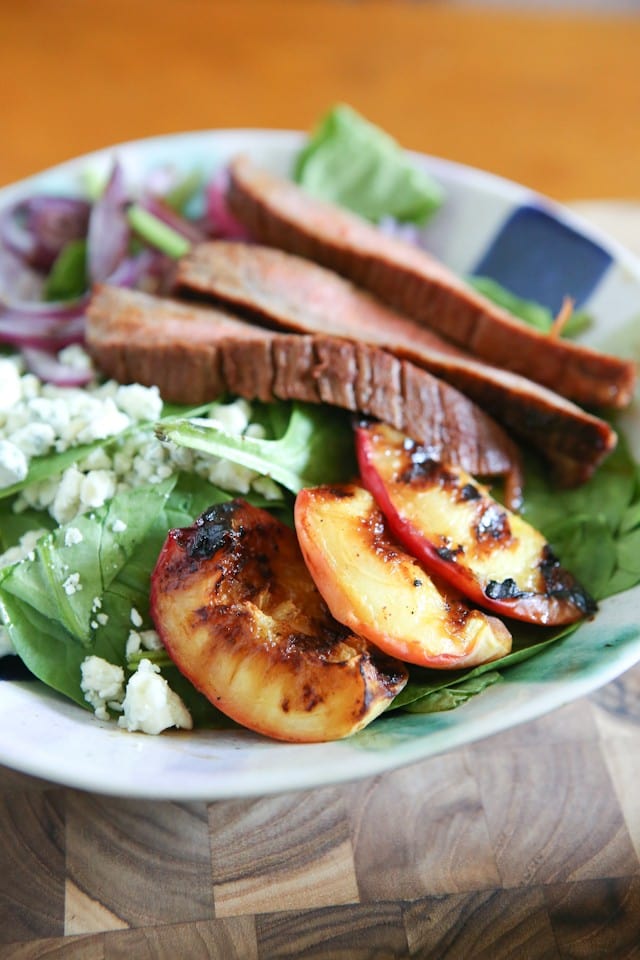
x,y
381,592
451,523
242,619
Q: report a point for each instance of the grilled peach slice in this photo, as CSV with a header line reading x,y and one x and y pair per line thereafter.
x,y
382,593
449,521
242,619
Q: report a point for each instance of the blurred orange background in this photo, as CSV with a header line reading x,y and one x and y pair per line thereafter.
x,y
548,98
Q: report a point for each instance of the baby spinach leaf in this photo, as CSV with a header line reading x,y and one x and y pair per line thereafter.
x,y
76,563
528,641
353,163
53,464
316,447
528,310
448,698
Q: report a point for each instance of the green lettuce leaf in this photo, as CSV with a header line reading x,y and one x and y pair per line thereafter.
x,y
53,464
53,629
315,447
528,310
355,164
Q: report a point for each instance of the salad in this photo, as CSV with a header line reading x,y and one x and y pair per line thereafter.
x,y
94,473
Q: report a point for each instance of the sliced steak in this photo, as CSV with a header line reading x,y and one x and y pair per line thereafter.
x,y
279,213
284,291
194,354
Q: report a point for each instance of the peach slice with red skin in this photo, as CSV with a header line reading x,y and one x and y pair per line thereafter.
x,y
240,616
450,522
382,593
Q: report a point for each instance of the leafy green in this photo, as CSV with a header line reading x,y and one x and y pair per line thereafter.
x,y
316,446
53,464
49,603
14,525
528,641
450,697
594,529
53,629
355,164
528,310
67,278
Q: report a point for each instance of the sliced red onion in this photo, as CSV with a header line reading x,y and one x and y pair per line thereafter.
x,y
36,229
108,234
146,270
41,331
59,310
187,228
222,222
18,281
48,367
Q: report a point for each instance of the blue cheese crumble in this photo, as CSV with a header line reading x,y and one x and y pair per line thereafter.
x,y
147,703
38,418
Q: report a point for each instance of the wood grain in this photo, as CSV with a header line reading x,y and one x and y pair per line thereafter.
x,y
134,866
137,862
250,873
435,838
521,845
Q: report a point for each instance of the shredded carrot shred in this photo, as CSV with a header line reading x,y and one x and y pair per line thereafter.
x,y
564,314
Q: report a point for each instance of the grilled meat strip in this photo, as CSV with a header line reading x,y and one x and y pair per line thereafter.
x,y
194,354
279,213
288,292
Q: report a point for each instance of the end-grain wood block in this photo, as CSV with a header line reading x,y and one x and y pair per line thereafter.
x,y
421,830
596,918
32,865
137,863
486,923
281,853
550,814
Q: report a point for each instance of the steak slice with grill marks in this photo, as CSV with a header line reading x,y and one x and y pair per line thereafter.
x,y
287,292
279,213
194,354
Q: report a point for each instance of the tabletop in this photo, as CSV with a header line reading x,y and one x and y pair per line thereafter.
x,y
524,844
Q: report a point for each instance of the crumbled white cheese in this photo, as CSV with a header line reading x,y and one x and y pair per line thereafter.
x,y
66,502
23,549
138,402
108,422
231,476
150,705
151,640
37,418
72,536
14,465
134,642
96,487
136,619
76,357
102,684
233,417
72,584
267,487
34,439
